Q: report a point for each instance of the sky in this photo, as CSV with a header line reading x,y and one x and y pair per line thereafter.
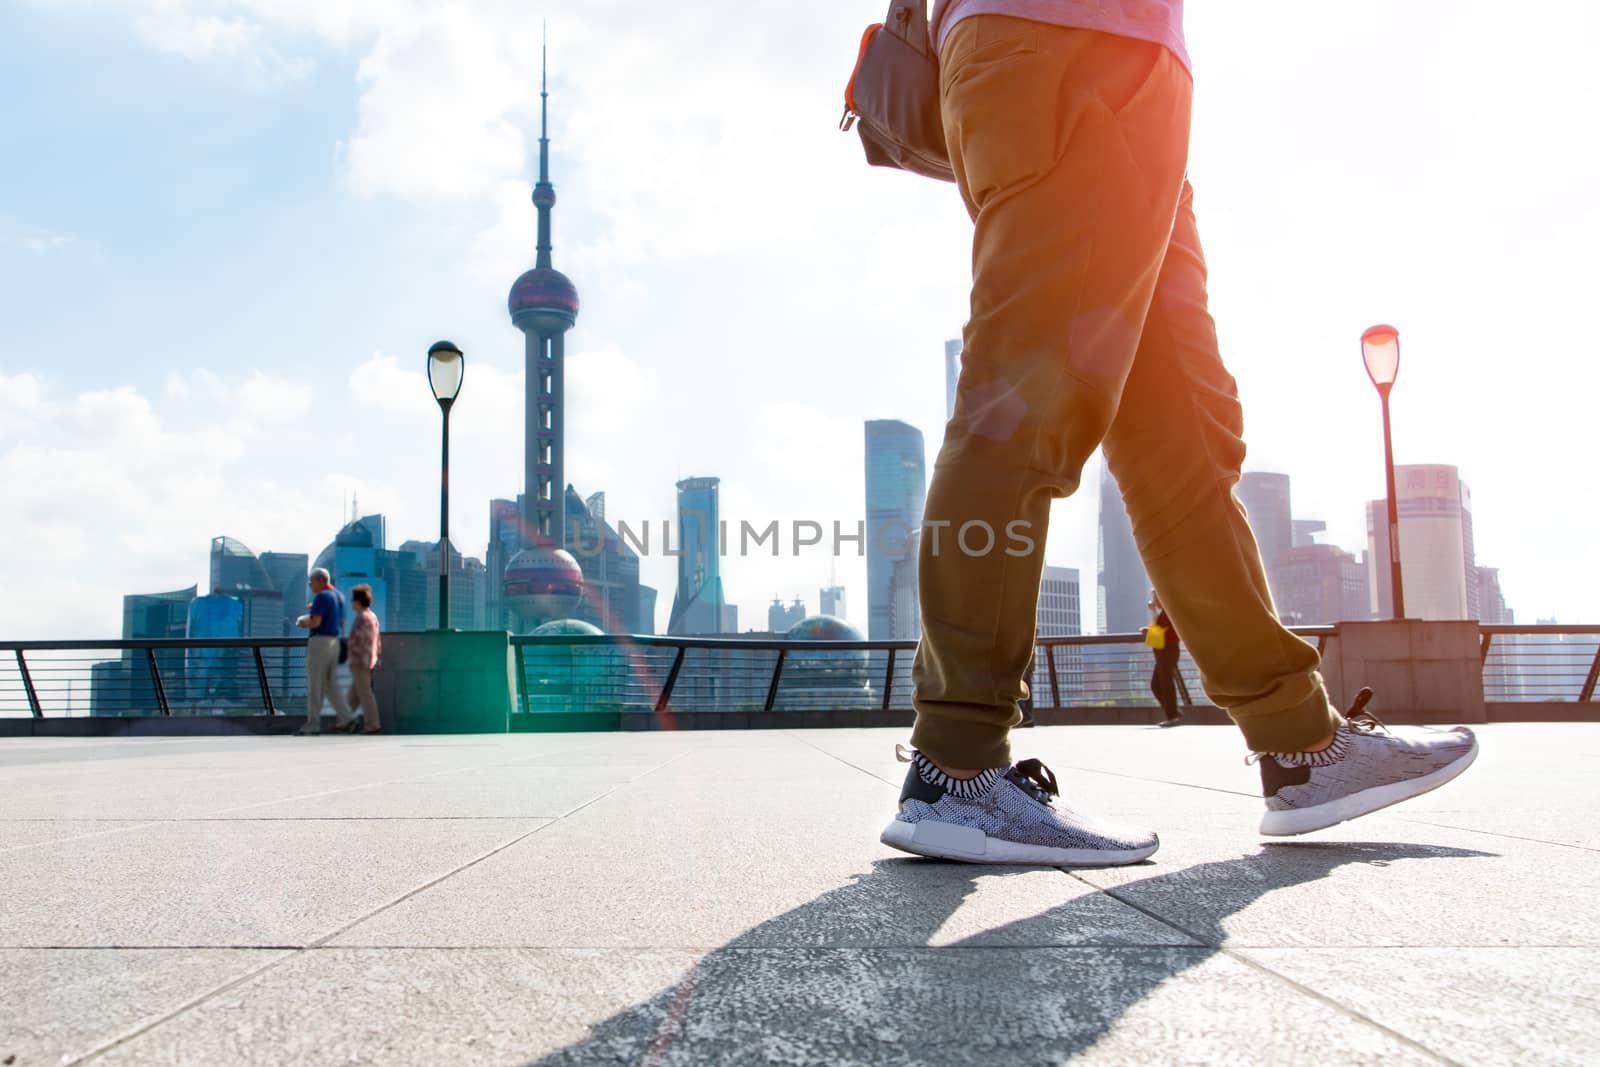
x,y
230,229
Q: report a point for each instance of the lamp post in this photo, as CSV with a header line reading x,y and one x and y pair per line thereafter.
x,y
446,367
1380,351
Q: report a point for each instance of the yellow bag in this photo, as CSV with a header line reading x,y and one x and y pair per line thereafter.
x,y
1155,636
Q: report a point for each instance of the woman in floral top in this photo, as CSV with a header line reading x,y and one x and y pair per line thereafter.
x,y
365,648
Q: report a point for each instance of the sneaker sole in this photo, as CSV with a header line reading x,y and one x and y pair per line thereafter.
x,y
1304,820
944,841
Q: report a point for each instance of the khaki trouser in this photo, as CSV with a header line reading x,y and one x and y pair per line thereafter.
x,y
322,661
1088,326
361,696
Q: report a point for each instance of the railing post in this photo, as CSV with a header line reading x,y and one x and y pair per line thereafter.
x,y
261,676
155,679
888,679
1183,687
27,684
672,680
777,673
1589,682
1055,683
522,678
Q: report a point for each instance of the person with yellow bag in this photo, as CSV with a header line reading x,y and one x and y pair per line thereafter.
x,y
1163,641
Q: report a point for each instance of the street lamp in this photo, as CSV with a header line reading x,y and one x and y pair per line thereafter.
x,y
446,367
1380,351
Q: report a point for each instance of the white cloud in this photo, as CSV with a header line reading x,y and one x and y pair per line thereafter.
x,y
45,243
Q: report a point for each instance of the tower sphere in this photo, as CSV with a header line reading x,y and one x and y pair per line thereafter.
x,y
544,195
542,583
543,301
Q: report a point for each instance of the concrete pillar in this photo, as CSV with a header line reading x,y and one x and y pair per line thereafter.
x,y
1420,672
446,682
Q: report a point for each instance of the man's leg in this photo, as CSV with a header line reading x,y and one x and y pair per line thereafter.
x,y
316,679
1176,448
1068,147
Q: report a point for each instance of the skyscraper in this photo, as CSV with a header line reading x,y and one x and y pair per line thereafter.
x,y
466,573
1320,584
1060,612
781,616
123,686
399,582
610,567
289,572
544,306
157,615
831,601
1123,587
1492,607
235,571
905,606
698,606
1265,497
952,374
1436,553
505,541
896,485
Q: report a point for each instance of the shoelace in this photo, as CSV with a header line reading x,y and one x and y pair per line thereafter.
x,y
1037,779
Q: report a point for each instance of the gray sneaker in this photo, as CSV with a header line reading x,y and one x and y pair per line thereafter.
x,y
1366,768
1006,815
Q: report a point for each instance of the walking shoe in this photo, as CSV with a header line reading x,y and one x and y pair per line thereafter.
x,y
1367,767
306,731
1005,815
1167,724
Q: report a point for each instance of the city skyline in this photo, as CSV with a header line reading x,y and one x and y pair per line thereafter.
x,y
302,188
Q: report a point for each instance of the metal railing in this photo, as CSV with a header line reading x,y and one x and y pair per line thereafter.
x,y
229,676
590,673
660,674
1548,664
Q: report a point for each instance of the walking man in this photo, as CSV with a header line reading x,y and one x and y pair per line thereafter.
x,y
1068,129
325,619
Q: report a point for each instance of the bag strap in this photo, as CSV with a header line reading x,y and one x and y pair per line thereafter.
x,y
908,20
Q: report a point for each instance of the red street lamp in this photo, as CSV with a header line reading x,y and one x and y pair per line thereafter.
x,y
1380,351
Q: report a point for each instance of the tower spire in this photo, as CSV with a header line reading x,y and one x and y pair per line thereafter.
x,y
544,194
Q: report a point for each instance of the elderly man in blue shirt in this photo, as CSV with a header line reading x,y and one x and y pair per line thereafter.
x,y
325,619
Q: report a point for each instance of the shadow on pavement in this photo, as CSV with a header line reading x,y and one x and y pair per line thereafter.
x,y
832,982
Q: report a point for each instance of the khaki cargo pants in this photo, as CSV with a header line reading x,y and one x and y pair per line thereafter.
x,y
1088,327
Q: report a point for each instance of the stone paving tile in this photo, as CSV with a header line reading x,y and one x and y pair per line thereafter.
x,y
1575,826
57,1004
950,1006
469,792
1476,1005
1377,881
29,833
230,883
749,860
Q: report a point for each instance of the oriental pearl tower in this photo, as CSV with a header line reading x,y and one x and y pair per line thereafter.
x,y
543,580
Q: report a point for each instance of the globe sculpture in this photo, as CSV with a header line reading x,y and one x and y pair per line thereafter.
x,y
564,677
542,584
826,678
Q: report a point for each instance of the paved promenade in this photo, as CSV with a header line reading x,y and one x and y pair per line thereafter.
x,y
720,897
